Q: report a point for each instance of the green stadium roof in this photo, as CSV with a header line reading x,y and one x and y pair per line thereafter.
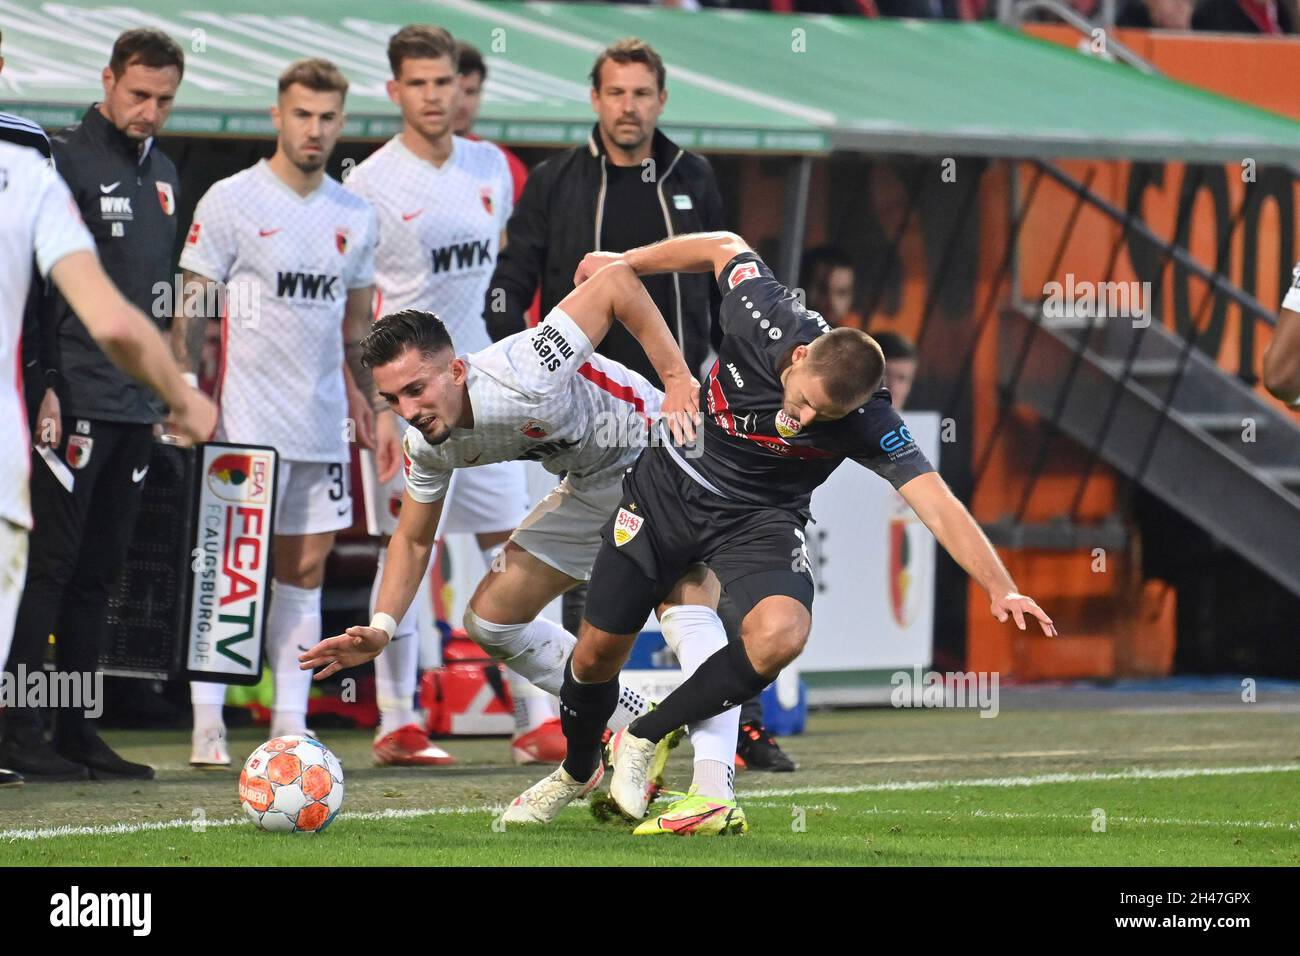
x,y
738,81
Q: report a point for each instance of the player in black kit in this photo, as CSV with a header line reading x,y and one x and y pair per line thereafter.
x,y
788,400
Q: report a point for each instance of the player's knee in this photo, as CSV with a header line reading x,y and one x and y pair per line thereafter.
x,y
776,640
498,641
593,663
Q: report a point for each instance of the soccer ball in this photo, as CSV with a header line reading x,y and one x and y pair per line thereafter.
x,y
292,785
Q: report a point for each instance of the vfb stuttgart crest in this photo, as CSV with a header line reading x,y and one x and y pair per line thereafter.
x,y
787,426
626,525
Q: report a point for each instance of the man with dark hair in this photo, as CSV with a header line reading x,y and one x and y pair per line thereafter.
x,y
780,421
540,395
628,186
829,283
45,226
94,428
473,74
292,253
442,202
900,365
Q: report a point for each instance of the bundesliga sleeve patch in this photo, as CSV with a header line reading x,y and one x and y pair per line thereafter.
x,y
746,270
192,239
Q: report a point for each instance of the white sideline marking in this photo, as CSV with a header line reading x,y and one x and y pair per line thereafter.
x,y
1013,815
1176,773
1005,754
1172,773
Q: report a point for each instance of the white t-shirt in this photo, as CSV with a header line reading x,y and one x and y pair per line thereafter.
x,y
439,229
541,395
37,215
287,262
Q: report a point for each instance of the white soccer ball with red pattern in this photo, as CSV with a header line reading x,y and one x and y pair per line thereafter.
x,y
292,785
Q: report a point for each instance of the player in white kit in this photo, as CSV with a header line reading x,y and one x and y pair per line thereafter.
x,y
40,219
539,394
295,252
442,203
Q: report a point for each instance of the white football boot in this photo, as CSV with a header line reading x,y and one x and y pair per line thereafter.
x,y
637,763
208,750
543,801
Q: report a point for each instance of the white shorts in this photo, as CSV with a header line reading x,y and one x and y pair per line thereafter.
x,y
481,499
313,497
13,576
563,529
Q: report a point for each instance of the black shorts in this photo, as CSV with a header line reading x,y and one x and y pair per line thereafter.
x,y
666,522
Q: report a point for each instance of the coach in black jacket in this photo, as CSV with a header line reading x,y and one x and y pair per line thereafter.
x,y
629,185
88,474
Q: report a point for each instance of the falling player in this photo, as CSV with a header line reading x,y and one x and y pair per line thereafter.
x,y
788,401
295,252
538,394
442,203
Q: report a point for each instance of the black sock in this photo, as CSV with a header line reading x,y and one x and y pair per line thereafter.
x,y
723,681
585,710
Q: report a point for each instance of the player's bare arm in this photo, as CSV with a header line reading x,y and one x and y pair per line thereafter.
x,y
955,529
191,319
695,252
615,292
131,341
405,565
357,320
1282,360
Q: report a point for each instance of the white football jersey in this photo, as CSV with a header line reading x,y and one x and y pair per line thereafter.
x,y
37,215
439,229
287,262
541,395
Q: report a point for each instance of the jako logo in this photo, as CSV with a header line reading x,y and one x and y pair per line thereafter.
x,y
306,285
740,382
896,439
75,909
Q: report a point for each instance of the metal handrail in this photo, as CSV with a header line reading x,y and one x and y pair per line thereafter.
x,y
1012,12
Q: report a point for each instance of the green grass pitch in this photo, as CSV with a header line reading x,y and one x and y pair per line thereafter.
x,y
1044,783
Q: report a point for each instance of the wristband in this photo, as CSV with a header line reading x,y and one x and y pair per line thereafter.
x,y
384,622
190,379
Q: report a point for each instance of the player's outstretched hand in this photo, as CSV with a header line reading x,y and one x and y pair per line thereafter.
x,y
681,408
354,646
363,417
196,420
1017,606
592,263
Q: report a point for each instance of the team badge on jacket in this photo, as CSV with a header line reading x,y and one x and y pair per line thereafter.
x,y
787,426
626,525
78,451
341,241
535,429
485,194
166,198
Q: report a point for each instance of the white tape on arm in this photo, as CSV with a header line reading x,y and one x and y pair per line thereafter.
x,y
384,622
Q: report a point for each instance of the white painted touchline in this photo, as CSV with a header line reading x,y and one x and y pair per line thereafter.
x,y
1178,773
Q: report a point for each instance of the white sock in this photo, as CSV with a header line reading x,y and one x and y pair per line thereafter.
x,y
695,633
207,699
714,779
533,706
537,652
293,625
396,667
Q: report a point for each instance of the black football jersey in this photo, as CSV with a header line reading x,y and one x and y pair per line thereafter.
x,y
752,451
